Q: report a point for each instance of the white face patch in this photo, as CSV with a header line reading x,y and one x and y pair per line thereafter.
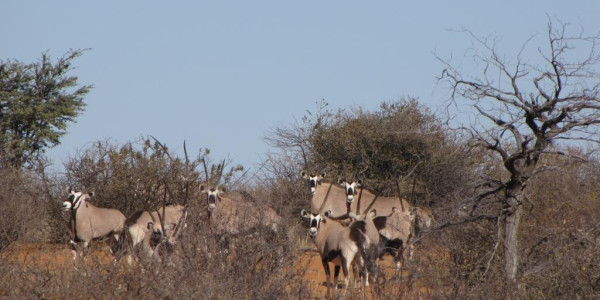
x,y
73,201
313,181
350,188
315,221
212,196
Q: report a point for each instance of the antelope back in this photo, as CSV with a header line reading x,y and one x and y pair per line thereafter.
x,y
334,197
383,205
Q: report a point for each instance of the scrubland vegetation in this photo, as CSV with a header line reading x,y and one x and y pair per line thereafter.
x,y
515,196
462,259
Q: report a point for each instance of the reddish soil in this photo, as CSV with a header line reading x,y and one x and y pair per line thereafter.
x,y
312,282
51,257
308,284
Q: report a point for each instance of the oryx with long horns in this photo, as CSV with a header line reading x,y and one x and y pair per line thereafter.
x,y
88,222
230,213
167,222
376,247
341,245
343,197
349,196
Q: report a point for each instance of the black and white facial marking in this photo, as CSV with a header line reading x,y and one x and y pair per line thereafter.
x,y
212,197
156,235
74,200
313,180
350,188
315,222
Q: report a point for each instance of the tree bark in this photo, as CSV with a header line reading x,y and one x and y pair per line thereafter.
x,y
511,245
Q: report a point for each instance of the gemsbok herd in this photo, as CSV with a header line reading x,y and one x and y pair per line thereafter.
x,y
351,227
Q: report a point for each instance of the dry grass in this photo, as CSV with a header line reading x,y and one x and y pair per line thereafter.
x,y
43,270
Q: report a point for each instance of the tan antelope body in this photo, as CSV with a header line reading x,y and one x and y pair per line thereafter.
x,y
237,216
142,224
91,222
337,198
339,244
376,247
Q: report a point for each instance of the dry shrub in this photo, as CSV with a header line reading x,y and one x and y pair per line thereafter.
x,y
561,242
203,266
135,176
25,207
559,237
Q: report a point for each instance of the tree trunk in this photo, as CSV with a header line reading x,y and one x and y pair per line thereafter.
x,y
511,245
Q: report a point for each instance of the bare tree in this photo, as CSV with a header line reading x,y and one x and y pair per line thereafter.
x,y
525,110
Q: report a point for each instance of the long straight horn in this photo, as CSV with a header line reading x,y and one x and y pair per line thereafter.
x,y
325,200
188,173
152,217
306,167
161,217
221,167
205,171
165,149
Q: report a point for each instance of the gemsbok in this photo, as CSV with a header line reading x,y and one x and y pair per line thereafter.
x,y
376,247
88,222
141,225
339,244
228,216
348,194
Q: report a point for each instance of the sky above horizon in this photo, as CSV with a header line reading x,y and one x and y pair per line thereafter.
x,y
222,74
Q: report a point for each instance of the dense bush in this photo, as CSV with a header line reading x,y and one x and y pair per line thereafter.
x,y
135,176
401,141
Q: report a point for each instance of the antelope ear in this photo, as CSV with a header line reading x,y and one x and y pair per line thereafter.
x,y
71,191
359,182
372,214
92,194
202,188
322,175
394,209
149,226
304,214
224,190
341,181
328,214
304,174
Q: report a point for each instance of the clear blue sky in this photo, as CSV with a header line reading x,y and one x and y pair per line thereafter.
x,y
221,74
